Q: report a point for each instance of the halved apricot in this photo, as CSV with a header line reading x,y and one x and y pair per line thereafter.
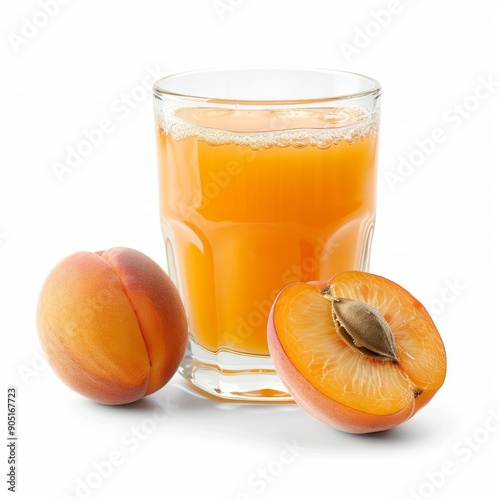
x,y
358,352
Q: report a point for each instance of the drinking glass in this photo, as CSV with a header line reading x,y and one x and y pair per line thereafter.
x,y
266,177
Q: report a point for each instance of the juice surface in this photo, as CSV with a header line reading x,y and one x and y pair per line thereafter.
x,y
253,200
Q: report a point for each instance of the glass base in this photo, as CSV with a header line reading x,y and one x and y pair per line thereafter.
x,y
231,376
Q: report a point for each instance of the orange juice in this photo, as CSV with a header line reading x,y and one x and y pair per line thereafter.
x,y
252,200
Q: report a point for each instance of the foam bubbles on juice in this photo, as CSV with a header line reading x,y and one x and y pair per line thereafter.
x,y
320,127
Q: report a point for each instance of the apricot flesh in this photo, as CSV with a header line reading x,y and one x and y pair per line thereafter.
x,y
112,324
339,383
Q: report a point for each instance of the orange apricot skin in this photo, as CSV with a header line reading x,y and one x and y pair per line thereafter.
x,y
317,404
111,324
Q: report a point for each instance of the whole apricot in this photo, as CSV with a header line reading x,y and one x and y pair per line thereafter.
x,y
111,324
358,352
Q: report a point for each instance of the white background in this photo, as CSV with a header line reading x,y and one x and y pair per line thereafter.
x,y
89,62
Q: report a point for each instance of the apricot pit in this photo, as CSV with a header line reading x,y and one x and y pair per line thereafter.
x,y
364,327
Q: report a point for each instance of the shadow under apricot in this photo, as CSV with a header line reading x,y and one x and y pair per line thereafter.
x,y
267,423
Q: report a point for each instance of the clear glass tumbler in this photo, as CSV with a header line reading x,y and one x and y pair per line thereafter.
x,y
266,177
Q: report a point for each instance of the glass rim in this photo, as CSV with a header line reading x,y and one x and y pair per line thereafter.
x,y
160,91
